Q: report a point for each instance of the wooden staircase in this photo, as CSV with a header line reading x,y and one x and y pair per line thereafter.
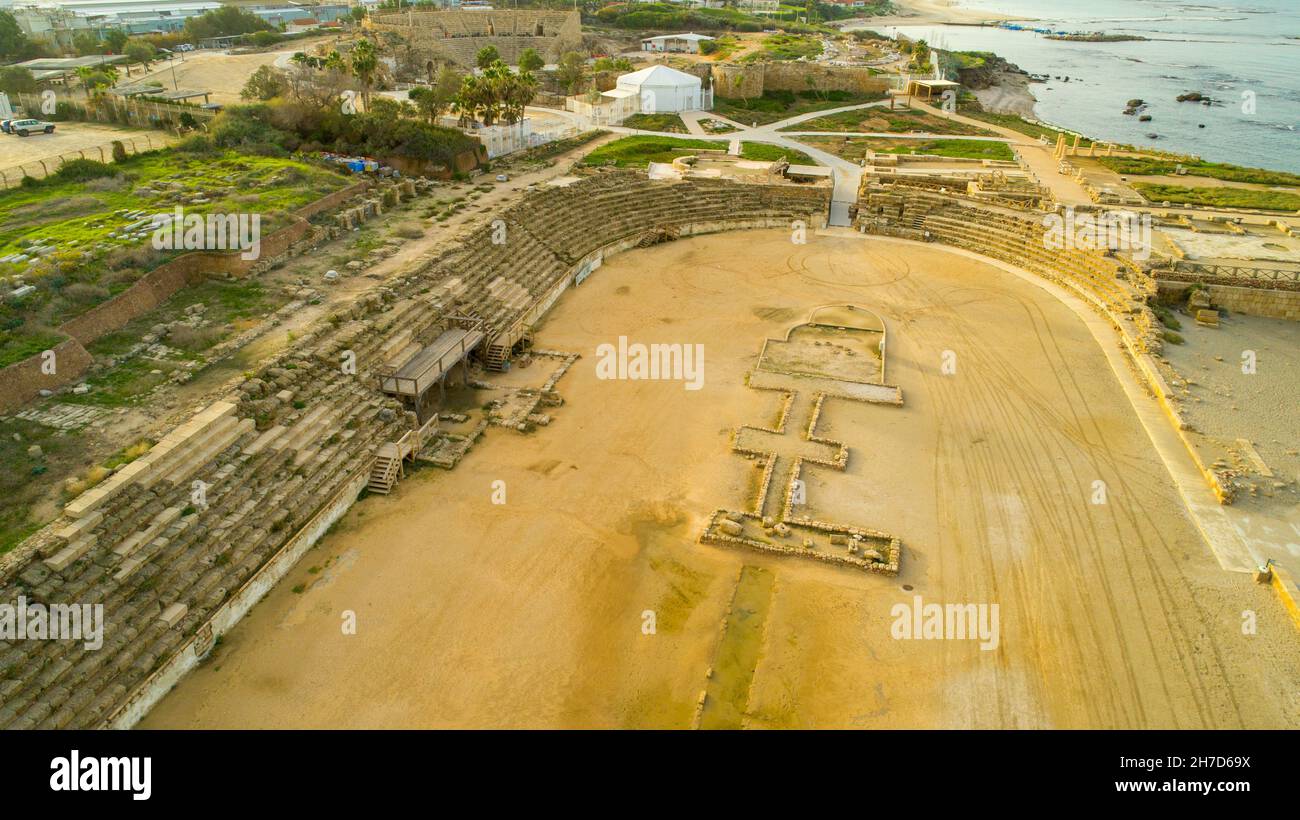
x,y
386,470
496,357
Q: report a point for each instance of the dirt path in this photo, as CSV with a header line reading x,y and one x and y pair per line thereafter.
x,y
531,613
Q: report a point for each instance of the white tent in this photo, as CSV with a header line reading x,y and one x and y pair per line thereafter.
x,y
661,89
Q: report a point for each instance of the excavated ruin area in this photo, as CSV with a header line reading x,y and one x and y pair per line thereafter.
x,y
534,612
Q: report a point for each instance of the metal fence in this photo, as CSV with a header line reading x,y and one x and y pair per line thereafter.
x,y
112,109
40,168
1251,276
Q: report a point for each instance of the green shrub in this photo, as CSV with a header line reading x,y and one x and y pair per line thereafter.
x,y
80,170
1167,318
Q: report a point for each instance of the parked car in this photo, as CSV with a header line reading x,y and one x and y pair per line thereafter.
x,y
502,178
24,127
185,47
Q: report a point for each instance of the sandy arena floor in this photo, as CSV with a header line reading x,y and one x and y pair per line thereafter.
x,y
530,613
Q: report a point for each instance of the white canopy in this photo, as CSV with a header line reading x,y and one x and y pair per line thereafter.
x,y
664,90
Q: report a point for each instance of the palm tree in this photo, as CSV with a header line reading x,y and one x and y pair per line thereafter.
x,y
466,102
520,92
364,63
497,94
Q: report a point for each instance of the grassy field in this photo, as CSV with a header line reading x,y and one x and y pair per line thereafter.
x,y
764,152
774,106
77,220
1148,166
19,473
880,119
1220,197
712,125
638,151
1016,123
723,47
855,148
672,123
15,346
785,47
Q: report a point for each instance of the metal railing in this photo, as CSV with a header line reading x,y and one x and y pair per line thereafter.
x,y
1241,274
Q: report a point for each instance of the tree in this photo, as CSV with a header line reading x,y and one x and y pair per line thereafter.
x,y
517,92
97,78
13,42
571,68
434,101
487,55
358,13
224,22
318,81
262,39
85,44
364,63
611,64
141,51
115,39
16,80
530,60
263,84
921,55
499,94
335,62
469,100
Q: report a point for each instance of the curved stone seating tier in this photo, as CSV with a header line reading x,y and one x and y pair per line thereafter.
x,y
278,448
1015,239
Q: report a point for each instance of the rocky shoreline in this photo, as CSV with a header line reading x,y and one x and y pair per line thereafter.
x,y
1000,86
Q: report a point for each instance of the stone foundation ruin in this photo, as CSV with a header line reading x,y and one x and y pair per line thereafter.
x,y
774,524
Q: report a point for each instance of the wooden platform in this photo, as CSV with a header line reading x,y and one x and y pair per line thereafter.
x,y
426,367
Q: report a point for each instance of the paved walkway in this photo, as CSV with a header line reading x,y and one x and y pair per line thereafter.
x,y
1037,156
847,175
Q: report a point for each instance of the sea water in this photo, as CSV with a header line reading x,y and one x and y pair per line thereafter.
x,y
1245,54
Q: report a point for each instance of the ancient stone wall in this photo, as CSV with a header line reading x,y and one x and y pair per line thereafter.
x,y
752,79
146,294
1274,304
23,381
433,36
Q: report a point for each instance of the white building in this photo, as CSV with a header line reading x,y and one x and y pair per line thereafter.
x,y
660,90
688,43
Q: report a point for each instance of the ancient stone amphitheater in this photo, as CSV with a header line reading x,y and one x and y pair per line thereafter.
x,y
180,543
1112,285
434,36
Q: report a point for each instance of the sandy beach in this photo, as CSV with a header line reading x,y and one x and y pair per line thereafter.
x,y
934,12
